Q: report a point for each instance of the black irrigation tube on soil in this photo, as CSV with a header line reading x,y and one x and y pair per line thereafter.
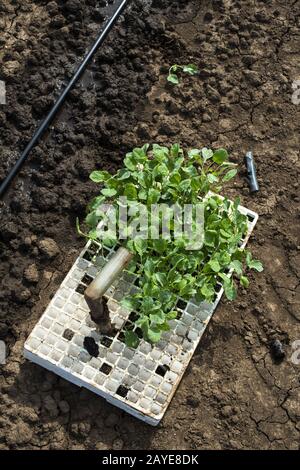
x,y
59,102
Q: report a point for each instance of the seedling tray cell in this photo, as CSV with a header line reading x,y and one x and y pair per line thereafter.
x,y
140,381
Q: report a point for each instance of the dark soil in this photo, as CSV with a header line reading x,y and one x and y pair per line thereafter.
x,y
234,394
91,346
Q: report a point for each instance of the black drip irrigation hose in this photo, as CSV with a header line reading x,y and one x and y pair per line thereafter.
x,y
47,121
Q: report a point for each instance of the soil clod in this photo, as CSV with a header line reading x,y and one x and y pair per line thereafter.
x,y
68,334
277,351
90,345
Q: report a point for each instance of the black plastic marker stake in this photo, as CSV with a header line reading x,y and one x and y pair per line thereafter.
x,y
251,170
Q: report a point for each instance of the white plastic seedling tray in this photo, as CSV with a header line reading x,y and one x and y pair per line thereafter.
x,y
140,381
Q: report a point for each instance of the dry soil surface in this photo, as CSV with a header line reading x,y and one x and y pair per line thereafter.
x,y
233,394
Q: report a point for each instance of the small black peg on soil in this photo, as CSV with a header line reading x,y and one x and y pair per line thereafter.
x,y
277,351
251,170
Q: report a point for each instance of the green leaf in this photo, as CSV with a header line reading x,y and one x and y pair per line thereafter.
x,y
191,69
229,175
129,303
215,266
140,245
132,340
207,291
230,290
149,267
175,150
207,154
160,170
194,153
139,154
175,178
160,245
109,192
225,234
228,286
184,185
220,156
224,258
173,78
172,315
154,334
237,266
210,237
165,326
129,162
123,175
212,203
153,196
161,278
93,234
244,281
256,264
92,219
174,68
96,202
145,148
142,322
143,195
160,153
212,178
130,191
99,176
157,318
148,304
196,183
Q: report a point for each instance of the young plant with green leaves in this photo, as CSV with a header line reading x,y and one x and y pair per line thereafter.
x,y
176,70
166,268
